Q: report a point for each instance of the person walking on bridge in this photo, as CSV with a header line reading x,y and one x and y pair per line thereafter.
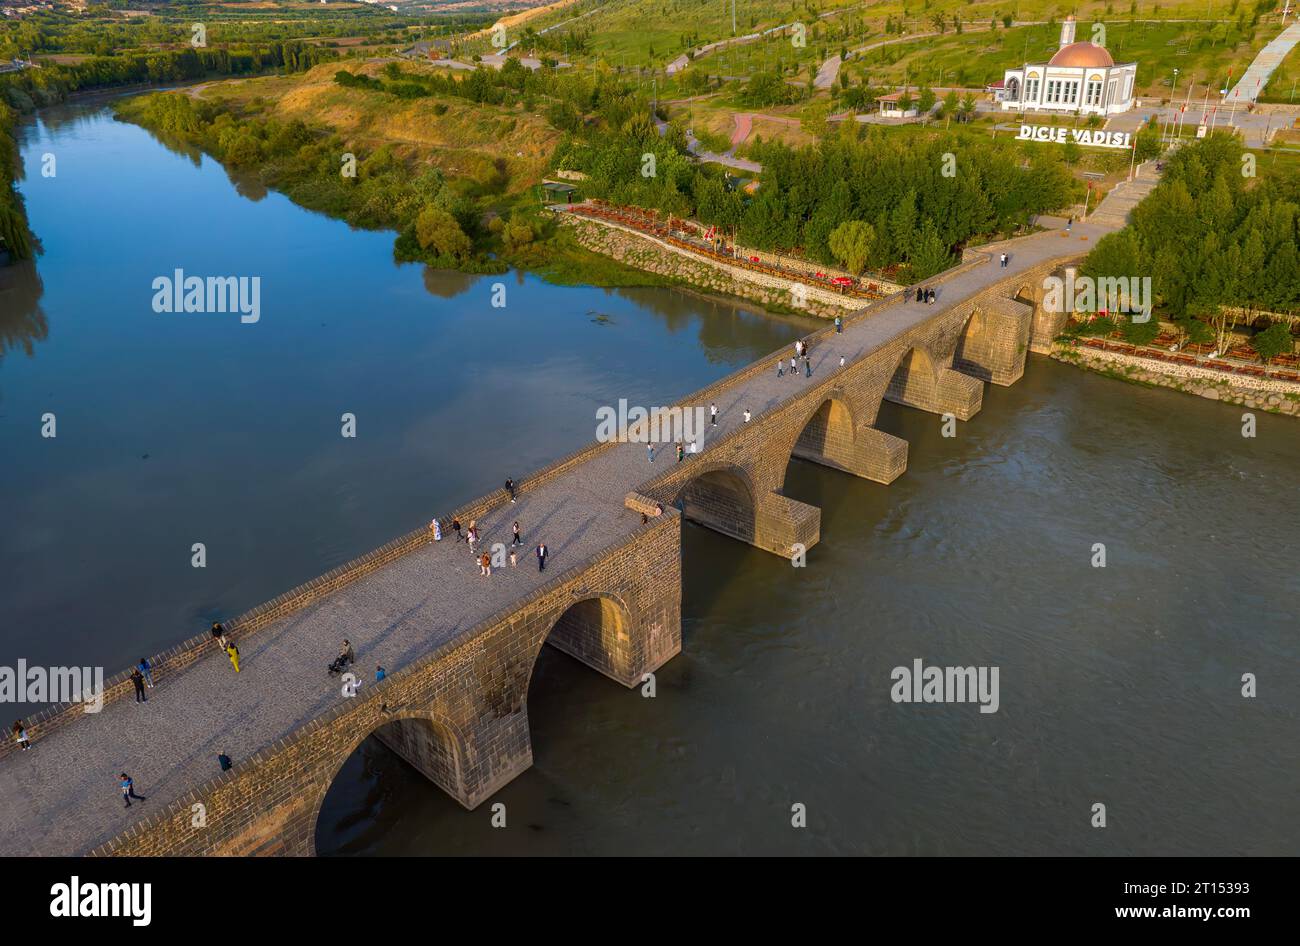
x,y
516,538
147,670
794,368
510,488
484,565
219,634
128,789
233,653
839,325
20,735
713,415
455,527
541,556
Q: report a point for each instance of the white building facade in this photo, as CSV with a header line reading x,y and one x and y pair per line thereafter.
x,y
1080,79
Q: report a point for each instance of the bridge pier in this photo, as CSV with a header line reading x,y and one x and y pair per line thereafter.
x,y
996,342
870,453
725,502
783,523
1047,323
498,750
951,393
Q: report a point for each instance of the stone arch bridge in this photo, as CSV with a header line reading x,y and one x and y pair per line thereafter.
x,y
460,649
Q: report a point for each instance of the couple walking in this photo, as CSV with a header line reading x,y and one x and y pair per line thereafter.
x,y
227,646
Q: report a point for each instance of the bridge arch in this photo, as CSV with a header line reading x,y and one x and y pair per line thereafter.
x,y
827,434
723,497
973,343
426,741
595,628
915,380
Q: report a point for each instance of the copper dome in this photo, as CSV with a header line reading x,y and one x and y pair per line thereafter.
x,y
1086,55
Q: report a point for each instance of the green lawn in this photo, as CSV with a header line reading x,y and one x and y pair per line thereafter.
x,y
632,33
1284,85
975,59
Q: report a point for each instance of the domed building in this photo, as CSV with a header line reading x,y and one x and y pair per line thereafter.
x,y
1080,79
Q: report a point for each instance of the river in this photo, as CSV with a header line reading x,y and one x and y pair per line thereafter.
x,y
1119,685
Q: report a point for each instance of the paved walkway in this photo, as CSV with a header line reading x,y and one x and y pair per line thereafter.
x,y
61,797
1124,196
827,73
1253,80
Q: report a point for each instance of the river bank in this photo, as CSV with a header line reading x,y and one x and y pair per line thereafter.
x,y
1274,395
15,237
646,254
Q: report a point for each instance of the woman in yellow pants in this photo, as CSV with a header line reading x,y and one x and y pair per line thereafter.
x,y
233,653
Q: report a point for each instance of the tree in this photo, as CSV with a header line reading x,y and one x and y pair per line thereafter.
x,y
852,242
950,104
928,255
438,230
1195,331
1141,333
1274,340
517,234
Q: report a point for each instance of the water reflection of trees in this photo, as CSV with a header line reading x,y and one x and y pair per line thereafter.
x,y
174,145
56,118
726,329
22,321
247,184
447,283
